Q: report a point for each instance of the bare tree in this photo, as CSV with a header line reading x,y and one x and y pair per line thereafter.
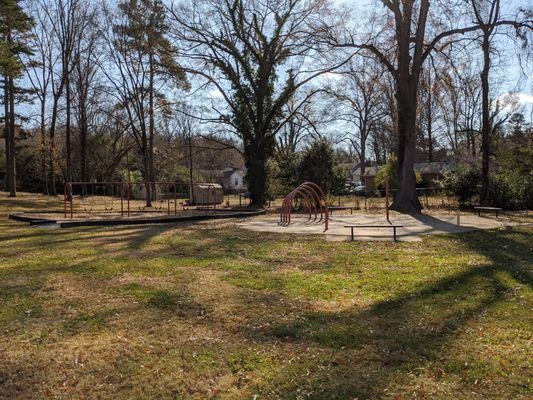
x,y
487,15
358,99
64,22
303,124
69,20
243,48
403,50
138,53
85,83
460,104
110,141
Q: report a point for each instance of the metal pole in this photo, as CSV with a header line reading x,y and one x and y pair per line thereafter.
x,y
65,200
175,200
71,202
387,197
191,182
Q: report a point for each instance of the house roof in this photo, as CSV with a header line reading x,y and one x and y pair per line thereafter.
x,y
355,167
220,173
371,171
437,168
208,185
349,166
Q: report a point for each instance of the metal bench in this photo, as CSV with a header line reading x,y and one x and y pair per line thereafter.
x,y
393,227
338,208
488,209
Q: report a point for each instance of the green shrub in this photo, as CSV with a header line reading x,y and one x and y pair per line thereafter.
x,y
284,172
511,192
463,184
511,183
320,165
130,176
390,169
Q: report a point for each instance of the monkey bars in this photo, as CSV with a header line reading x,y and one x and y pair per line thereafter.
x,y
315,200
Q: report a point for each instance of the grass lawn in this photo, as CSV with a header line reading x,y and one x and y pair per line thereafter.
x,y
207,310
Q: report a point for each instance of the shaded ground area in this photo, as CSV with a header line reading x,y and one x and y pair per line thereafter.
x,y
412,226
100,219
38,210
209,310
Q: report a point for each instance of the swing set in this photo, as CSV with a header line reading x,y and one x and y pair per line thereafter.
x,y
110,197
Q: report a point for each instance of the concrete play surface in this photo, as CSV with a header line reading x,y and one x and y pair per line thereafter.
x,y
413,226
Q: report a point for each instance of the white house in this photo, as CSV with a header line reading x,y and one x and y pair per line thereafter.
x,y
236,180
232,179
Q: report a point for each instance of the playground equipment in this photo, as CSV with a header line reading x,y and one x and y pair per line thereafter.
x,y
120,197
313,197
391,225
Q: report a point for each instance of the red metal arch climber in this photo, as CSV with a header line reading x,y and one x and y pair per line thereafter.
x,y
313,196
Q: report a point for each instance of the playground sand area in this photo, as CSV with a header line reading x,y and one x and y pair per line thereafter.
x,y
413,226
103,215
58,218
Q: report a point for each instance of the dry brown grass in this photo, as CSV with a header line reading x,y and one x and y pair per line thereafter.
x,y
207,310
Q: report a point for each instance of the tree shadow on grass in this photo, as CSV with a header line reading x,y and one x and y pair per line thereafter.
x,y
398,336
22,204
133,237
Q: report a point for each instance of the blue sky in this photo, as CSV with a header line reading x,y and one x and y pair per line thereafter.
x,y
514,79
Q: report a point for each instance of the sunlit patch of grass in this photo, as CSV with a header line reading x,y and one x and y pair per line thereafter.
x,y
207,310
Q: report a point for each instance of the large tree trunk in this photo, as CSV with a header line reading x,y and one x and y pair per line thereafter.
x,y
256,156
52,146
44,172
406,199
151,125
67,128
83,147
486,126
377,151
191,182
7,135
147,181
363,152
11,163
430,121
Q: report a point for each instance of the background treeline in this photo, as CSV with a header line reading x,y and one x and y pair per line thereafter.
x,y
150,90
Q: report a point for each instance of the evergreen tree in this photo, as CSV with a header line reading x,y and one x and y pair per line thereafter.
x,y
319,165
15,26
142,38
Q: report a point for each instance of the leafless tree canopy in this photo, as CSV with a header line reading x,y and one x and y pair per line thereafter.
x,y
157,89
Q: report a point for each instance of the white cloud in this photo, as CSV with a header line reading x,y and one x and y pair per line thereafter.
x,y
331,75
513,102
524,98
214,94
515,98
